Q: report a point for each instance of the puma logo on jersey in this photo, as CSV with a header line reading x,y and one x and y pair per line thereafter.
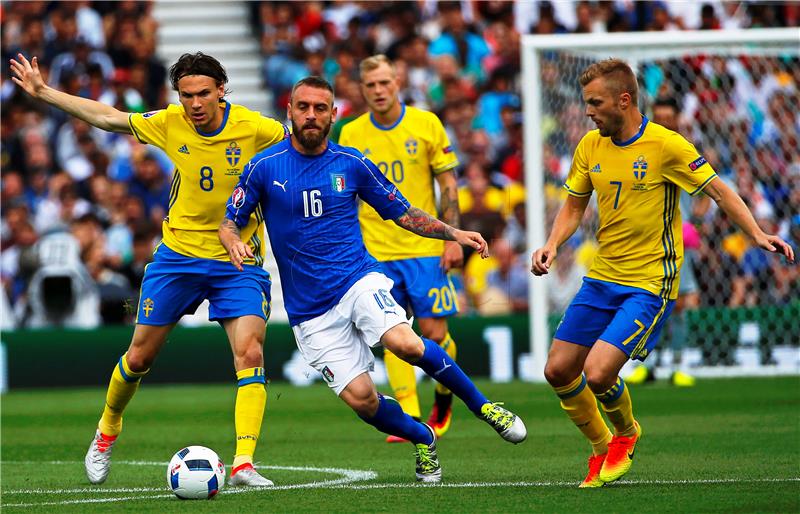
x,y
282,186
183,149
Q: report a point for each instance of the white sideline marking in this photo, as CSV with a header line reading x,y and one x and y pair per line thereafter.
x,y
346,481
348,476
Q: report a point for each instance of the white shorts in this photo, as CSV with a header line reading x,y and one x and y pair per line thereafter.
x,y
337,343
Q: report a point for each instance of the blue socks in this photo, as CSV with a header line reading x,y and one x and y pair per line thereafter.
x,y
390,419
442,368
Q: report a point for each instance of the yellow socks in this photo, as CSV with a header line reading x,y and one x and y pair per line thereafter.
x,y
449,346
617,404
251,399
580,405
403,381
121,388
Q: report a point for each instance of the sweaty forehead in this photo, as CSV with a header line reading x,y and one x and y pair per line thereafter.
x,y
595,89
195,83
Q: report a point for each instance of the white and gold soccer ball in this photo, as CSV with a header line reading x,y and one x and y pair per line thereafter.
x,y
195,473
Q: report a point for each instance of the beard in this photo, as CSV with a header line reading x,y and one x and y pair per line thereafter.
x,y
612,127
310,141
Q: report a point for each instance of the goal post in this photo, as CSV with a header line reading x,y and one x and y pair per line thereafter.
x,y
561,58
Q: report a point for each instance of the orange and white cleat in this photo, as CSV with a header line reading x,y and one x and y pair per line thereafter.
x,y
396,439
620,456
593,477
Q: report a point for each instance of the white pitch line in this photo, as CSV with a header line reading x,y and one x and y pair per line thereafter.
x,y
349,476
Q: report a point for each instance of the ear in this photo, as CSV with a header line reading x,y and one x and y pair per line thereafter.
x,y
624,100
289,111
334,113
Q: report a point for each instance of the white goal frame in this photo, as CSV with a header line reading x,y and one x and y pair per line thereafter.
x,y
632,47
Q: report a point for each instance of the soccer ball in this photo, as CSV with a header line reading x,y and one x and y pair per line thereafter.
x,y
195,473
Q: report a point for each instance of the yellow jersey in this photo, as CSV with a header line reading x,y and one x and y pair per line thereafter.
x,y
207,168
410,153
640,234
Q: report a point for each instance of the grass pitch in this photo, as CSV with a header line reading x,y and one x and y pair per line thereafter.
x,y
729,445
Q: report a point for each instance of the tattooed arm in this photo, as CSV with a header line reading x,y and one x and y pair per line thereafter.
x,y
230,237
453,256
421,223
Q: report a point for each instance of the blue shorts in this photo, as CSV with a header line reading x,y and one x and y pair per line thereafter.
x,y
627,317
422,287
175,285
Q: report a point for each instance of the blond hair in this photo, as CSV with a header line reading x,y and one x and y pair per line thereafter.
x,y
618,75
373,63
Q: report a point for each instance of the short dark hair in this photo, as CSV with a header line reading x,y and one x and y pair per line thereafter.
x,y
312,81
197,64
667,101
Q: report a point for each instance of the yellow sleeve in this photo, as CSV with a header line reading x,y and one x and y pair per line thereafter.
x,y
685,167
150,127
443,157
344,135
578,182
270,131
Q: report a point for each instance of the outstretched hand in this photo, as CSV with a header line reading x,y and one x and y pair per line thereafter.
x,y
473,240
775,244
28,76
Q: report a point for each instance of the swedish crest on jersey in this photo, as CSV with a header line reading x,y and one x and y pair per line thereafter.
x,y
411,146
233,152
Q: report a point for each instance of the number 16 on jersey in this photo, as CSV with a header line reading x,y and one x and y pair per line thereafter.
x,y
312,203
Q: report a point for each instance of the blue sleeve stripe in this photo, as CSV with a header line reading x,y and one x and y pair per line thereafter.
x,y
703,185
252,380
576,193
372,174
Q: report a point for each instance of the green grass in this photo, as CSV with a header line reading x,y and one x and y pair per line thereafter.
x,y
735,443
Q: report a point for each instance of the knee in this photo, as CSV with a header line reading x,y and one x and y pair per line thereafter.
x,y
138,360
408,349
599,381
249,353
557,375
365,406
436,332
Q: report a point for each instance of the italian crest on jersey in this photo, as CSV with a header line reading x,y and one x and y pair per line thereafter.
x,y
337,182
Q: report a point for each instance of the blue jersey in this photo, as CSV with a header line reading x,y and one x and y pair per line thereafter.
x,y
310,207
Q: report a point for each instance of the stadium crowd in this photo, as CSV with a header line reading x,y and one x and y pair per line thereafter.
x,y
79,198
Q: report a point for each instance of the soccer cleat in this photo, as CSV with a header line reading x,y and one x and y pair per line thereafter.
x,y
593,477
506,423
396,439
246,475
440,423
620,455
428,469
681,379
640,375
98,458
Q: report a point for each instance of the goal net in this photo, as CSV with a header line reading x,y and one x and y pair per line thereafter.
x,y
736,95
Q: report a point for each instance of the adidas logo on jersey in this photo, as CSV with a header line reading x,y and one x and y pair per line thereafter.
x,y
596,169
183,149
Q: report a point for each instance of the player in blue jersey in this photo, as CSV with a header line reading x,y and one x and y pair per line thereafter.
x,y
209,140
337,299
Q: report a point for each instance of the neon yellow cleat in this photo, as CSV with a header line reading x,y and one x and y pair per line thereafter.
x,y
639,376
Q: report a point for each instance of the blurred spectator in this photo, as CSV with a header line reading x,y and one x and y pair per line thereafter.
x,y
509,279
468,48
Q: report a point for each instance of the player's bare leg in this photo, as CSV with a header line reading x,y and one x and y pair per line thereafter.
x,y
128,372
442,411
432,359
246,335
602,375
386,415
564,372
